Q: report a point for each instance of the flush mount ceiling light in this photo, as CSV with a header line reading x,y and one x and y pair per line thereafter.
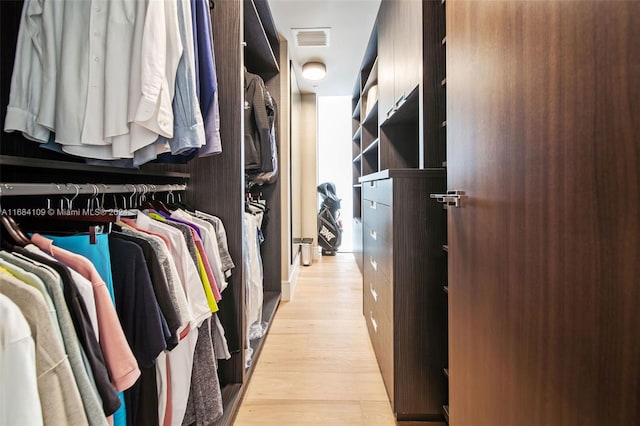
x,y
314,71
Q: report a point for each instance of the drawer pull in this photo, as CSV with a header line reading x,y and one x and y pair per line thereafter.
x,y
373,205
374,293
391,111
373,263
373,234
374,323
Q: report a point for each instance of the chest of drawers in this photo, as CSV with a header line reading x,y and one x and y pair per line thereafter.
x,y
403,302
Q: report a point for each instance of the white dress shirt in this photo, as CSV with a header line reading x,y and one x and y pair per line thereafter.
x,y
19,398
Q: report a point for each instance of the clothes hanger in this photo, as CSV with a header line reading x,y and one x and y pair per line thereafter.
x,y
14,231
72,221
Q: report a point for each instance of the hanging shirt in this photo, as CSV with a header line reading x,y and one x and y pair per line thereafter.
x,y
160,286
176,289
59,395
85,290
223,245
83,328
210,245
207,79
187,271
53,282
188,128
97,252
122,365
19,397
142,320
31,108
204,405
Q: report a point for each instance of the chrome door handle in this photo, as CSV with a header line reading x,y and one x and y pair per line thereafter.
x,y
451,198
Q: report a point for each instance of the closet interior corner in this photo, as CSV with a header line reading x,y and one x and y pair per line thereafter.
x,y
224,189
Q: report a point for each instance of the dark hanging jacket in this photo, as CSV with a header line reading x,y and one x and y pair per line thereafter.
x,y
257,146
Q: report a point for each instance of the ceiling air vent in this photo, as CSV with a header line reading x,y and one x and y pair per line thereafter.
x,y
311,37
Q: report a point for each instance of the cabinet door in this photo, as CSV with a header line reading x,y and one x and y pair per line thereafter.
x,y
385,59
543,131
407,21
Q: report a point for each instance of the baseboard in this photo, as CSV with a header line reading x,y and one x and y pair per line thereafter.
x,y
289,286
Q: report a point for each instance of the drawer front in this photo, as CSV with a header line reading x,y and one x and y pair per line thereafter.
x,y
380,191
380,218
381,332
378,252
377,291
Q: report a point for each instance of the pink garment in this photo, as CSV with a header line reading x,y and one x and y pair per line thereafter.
x,y
122,365
132,223
207,266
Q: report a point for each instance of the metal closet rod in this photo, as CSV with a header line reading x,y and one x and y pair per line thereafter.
x,y
23,189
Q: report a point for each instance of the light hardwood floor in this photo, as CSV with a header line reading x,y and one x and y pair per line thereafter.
x,y
317,366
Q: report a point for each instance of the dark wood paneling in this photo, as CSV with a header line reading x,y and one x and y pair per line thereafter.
x,y
407,45
419,303
216,185
385,59
379,191
543,107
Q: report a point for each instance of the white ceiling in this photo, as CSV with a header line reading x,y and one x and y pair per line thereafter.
x,y
350,21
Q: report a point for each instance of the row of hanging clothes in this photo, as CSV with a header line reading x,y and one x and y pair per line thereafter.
x,y
122,83
261,168
255,221
112,314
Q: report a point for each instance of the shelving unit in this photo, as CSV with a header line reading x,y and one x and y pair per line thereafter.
x,y
365,135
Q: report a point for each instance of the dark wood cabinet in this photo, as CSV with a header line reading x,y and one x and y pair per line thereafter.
x,y
407,46
386,55
403,302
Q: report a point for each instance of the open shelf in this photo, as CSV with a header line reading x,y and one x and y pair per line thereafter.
x,y
270,303
357,110
259,56
40,163
372,116
372,79
357,134
372,146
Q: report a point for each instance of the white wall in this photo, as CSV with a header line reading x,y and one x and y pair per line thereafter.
x,y
334,156
308,166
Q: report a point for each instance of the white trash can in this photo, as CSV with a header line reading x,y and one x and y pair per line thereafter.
x,y
306,245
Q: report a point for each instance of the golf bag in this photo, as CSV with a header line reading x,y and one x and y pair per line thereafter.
x,y
329,223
